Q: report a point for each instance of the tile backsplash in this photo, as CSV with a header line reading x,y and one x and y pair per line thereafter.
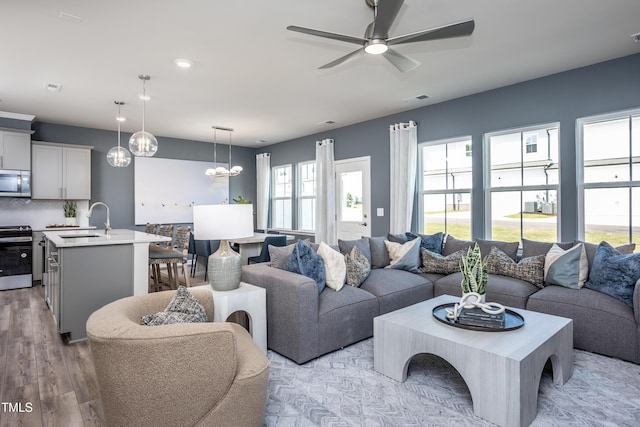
x,y
38,213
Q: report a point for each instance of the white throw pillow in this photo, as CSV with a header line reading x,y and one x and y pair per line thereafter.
x,y
335,269
405,256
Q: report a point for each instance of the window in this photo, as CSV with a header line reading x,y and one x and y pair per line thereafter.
x,y
522,184
307,196
609,177
281,198
445,187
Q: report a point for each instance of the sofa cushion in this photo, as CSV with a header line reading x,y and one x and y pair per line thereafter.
x,y
431,242
614,273
357,267
335,268
533,247
396,289
451,245
379,253
362,244
397,238
440,264
591,249
509,248
505,290
568,268
405,256
279,255
183,308
528,269
305,261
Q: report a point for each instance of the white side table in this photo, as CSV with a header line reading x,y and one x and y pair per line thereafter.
x,y
248,298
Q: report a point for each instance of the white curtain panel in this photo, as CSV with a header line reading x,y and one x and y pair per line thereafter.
x,y
403,165
326,230
263,185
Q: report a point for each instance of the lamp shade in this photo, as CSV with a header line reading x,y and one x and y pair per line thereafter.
x,y
222,222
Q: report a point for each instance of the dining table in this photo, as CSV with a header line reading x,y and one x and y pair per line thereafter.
x,y
251,246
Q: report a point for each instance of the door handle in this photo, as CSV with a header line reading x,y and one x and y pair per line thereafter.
x,y
364,224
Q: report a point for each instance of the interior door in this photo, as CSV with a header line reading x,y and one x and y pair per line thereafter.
x,y
353,198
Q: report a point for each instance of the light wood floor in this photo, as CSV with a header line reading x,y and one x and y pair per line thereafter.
x,y
37,367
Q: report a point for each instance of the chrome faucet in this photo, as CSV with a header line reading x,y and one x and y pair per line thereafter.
x,y
107,225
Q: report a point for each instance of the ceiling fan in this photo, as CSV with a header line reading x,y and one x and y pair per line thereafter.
x,y
376,38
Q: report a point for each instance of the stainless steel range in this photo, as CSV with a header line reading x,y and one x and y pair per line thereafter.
x,y
15,257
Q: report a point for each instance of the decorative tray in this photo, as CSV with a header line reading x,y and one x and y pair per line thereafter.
x,y
512,320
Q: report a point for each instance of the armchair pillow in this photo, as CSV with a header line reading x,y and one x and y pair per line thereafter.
x,y
568,268
183,308
614,273
305,261
335,269
405,256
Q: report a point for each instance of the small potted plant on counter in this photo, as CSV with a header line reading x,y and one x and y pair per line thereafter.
x,y
70,212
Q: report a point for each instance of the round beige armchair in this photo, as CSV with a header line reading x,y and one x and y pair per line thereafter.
x,y
187,374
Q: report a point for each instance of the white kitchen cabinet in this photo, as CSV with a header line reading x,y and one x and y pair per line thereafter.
x,y
61,172
15,150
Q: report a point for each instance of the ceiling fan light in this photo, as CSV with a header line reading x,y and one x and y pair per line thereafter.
x,y
376,47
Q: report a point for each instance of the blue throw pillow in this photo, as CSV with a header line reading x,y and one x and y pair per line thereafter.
x,y
432,242
614,273
305,261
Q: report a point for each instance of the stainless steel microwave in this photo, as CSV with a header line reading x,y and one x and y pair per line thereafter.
x,y
15,183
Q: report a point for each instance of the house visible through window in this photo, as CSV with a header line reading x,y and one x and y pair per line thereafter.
x,y
445,187
281,199
609,178
307,196
522,184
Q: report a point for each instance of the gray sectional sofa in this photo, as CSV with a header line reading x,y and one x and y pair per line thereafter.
x,y
302,324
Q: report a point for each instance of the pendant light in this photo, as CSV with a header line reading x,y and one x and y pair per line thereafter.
x,y
119,157
220,171
142,143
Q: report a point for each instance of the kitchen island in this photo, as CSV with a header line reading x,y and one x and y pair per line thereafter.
x,y
89,269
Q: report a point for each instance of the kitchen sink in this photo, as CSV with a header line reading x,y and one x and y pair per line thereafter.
x,y
73,236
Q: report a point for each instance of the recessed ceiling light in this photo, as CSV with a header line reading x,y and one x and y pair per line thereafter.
x,y
52,87
69,17
415,98
327,122
261,141
183,63
144,97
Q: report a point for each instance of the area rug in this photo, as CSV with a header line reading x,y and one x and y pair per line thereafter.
x,y
342,389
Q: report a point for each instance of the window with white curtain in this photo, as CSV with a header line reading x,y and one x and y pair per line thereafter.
x,y
445,187
521,173
307,195
609,177
281,198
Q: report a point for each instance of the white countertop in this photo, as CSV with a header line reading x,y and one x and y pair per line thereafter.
x,y
65,239
62,227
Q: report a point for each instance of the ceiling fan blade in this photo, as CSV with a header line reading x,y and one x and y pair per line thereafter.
x,y
341,59
327,35
401,62
459,29
386,12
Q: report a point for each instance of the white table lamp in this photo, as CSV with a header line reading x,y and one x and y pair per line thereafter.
x,y
223,222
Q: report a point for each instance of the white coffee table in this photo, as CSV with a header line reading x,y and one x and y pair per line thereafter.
x,y
501,369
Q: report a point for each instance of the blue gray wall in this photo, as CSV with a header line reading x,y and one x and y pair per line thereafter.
x,y
115,186
563,97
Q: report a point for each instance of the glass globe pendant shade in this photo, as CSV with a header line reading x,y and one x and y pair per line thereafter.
x,y
119,157
143,144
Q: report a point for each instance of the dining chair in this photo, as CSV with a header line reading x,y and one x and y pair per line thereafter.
x,y
280,240
197,249
151,228
171,256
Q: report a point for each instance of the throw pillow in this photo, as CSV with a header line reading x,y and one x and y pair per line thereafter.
x,y
591,249
568,268
279,255
509,248
528,269
405,256
305,261
335,268
435,263
397,238
362,244
183,308
534,247
451,245
379,253
614,273
432,242
358,267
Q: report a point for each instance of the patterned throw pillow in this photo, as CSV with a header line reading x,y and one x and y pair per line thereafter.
x,y
358,267
305,261
404,256
568,268
528,269
334,267
183,308
440,264
614,273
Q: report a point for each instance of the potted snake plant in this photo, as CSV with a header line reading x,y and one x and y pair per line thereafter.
x,y
474,273
70,211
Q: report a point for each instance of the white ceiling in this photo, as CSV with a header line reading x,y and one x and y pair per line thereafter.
x,y
251,74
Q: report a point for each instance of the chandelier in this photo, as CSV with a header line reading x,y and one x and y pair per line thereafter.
x,y
219,171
